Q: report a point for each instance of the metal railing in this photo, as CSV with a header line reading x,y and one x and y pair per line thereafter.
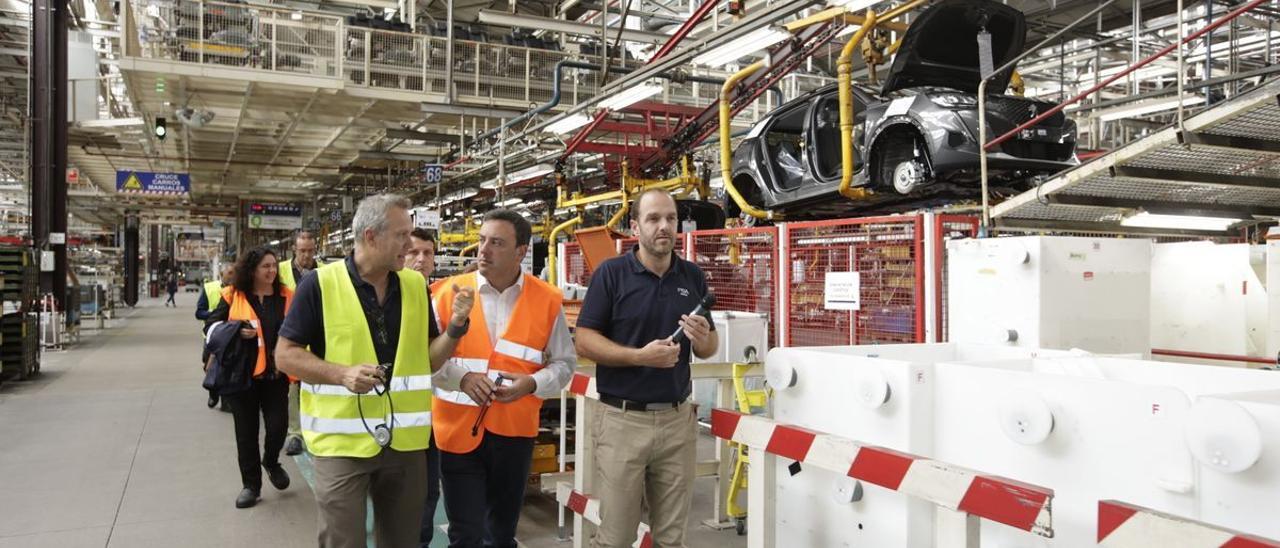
x,y
293,42
1177,46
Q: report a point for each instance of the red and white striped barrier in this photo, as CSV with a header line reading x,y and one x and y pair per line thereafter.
x,y
1123,525
584,385
1012,503
589,508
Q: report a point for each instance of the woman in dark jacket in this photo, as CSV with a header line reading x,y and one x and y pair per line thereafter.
x,y
258,298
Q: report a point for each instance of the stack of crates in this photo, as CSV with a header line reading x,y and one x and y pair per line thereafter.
x,y
19,328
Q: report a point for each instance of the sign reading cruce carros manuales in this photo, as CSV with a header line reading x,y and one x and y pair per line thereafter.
x,y
159,184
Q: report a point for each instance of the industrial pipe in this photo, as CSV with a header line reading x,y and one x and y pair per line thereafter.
x,y
553,272
472,247
621,214
726,151
844,79
1212,356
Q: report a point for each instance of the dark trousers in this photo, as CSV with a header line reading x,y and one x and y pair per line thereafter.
x,y
433,496
484,490
171,301
271,398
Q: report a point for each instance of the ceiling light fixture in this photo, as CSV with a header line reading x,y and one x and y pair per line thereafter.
x,y
1180,222
631,96
735,49
1147,107
569,123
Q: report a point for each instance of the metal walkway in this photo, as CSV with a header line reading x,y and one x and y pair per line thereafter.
x,y
1225,164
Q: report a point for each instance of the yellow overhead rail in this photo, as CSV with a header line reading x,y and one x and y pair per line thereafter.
x,y
685,183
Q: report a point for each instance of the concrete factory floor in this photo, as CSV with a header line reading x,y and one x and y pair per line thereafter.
x,y
112,445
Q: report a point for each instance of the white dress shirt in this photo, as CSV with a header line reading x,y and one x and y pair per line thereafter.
x,y
560,356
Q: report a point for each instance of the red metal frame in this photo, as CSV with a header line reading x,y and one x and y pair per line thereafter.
x,y
774,314
939,264
857,318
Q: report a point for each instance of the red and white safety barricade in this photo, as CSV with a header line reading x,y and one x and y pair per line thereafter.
x,y
584,385
588,507
1001,500
583,388
1122,525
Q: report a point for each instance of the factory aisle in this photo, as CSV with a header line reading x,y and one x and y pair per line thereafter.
x,y
113,446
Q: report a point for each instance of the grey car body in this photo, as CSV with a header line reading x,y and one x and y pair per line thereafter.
x,y
916,139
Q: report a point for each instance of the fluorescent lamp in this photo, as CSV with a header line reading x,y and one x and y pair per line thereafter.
x,y
511,202
737,48
296,16
631,96
853,5
531,172
569,123
461,194
1147,107
1184,222
522,175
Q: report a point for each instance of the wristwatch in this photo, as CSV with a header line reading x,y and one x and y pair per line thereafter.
x,y
456,331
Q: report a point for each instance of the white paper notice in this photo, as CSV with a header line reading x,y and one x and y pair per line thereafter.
x,y
842,291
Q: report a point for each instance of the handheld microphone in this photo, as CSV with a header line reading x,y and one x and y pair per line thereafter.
x,y
708,301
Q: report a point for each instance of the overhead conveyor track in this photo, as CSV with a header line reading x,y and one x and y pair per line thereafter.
x,y
1224,163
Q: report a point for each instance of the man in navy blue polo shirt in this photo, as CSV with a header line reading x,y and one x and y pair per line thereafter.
x,y
646,435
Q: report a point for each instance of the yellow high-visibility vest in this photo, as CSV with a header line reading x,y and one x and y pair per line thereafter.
x,y
330,418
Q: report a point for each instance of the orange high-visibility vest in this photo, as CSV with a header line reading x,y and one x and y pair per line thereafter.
x,y
243,311
521,349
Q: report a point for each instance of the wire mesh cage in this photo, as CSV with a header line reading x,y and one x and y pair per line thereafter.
x,y
740,267
576,271
948,227
886,252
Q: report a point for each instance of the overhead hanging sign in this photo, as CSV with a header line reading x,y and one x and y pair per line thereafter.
x,y
275,216
426,218
433,173
159,184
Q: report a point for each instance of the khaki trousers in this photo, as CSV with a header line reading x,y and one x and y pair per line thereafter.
x,y
644,459
397,483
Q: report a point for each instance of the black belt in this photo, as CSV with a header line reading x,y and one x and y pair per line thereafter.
x,y
628,405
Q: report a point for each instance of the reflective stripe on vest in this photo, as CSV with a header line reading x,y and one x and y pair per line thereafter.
x,y
243,311
213,294
519,350
329,416
354,426
414,382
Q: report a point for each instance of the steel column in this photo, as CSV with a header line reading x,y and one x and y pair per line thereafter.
x,y
48,93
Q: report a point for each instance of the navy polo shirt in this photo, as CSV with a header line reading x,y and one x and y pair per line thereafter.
x,y
632,306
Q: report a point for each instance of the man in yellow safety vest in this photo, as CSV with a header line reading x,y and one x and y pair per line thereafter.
x,y
358,337
291,272
210,298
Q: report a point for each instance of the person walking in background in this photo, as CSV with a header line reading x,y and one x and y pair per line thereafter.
x,y
291,272
256,296
172,287
210,299
211,294
422,259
